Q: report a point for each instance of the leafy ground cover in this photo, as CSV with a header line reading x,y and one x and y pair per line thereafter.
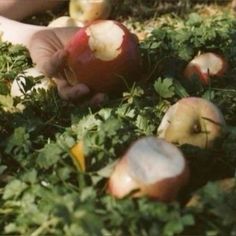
x,y
44,192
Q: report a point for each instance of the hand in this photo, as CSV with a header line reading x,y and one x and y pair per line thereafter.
x,y
47,52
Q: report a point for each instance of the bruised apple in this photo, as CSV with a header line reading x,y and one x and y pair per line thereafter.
x,y
204,66
151,167
104,55
89,10
194,121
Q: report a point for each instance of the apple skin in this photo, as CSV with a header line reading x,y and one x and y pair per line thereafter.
x,y
194,121
204,66
89,10
98,74
151,167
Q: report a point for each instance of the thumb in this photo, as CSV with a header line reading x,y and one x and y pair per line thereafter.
x,y
56,64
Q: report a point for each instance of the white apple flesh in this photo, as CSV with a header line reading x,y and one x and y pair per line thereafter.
x,y
89,10
151,167
104,55
205,66
194,121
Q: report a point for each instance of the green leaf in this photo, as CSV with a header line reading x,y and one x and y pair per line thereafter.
x,y
7,103
173,227
19,141
2,169
49,155
194,19
165,88
180,90
187,220
14,189
30,177
11,228
144,124
107,170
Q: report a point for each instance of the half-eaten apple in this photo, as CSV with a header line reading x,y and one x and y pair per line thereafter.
x,y
194,121
205,66
151,167
104,55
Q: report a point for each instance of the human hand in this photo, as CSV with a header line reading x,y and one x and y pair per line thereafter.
x,y
47,52
234,5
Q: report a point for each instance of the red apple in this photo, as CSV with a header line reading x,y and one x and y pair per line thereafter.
x,y
205,66
104,55
152,167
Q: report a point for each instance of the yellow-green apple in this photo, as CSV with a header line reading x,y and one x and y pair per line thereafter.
x,y
194,121
89,10
204,66
151,167
104,55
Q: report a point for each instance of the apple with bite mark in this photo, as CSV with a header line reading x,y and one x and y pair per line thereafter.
x,y
151,167
204,66
194,121
104,55
89,10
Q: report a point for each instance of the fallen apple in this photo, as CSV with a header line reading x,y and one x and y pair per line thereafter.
x,y
151,167
89,10
19,83
65,21
205,66
194,121
104,55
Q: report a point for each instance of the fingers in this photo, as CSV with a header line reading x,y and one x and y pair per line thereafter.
x,y
78,93
96,100
47,51
71,93
56,64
